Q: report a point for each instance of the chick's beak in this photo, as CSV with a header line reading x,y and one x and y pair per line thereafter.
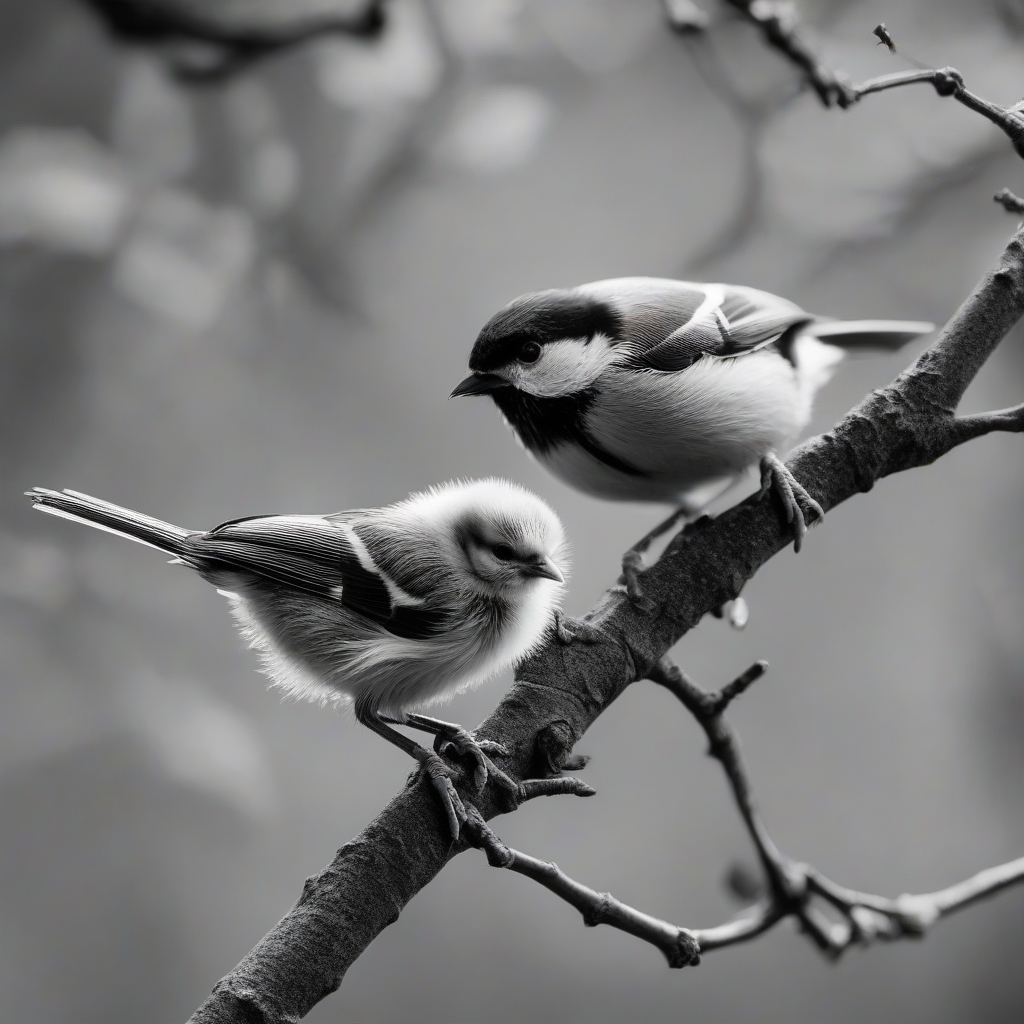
x,y
480,384
544,569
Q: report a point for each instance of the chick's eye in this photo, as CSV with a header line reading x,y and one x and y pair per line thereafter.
x,y
503,552
530,352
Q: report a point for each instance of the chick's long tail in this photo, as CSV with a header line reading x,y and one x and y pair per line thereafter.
x,y
82,508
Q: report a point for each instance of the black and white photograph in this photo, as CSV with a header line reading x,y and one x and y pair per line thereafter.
x,y
572,453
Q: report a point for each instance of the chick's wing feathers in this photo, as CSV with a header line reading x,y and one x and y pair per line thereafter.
x,y
324,556
711,319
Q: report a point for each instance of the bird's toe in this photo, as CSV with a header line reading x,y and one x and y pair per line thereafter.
x,y
797,504
440,777
632,566
464,744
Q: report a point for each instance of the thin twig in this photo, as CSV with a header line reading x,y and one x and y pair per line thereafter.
x,y
868,918
678,945
793,887
785,884
780,26
949,82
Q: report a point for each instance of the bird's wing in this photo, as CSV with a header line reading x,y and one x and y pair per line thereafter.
x,y
728,321
323,556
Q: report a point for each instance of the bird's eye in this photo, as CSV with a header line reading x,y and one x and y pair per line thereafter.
x,y
503,552
530,352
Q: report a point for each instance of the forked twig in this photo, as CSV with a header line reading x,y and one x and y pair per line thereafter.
x,y
949,82
780,25
794,890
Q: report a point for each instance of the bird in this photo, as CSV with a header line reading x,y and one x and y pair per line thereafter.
x,y
385,610
656,390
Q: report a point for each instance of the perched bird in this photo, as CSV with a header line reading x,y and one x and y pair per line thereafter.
x,y
644,389
389,609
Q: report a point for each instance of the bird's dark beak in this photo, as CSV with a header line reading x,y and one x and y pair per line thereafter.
x,y
545,569
480,384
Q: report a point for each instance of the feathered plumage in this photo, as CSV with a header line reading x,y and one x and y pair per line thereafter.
x,y
392,609
644,389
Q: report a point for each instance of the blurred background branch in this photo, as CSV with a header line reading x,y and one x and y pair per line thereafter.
x,y
208,41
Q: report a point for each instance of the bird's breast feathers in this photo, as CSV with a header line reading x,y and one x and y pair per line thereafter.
x,y
679,430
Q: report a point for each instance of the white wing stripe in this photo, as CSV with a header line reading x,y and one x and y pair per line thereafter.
x,y
395,592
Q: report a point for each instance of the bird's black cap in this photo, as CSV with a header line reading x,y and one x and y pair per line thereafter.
x,y
541,317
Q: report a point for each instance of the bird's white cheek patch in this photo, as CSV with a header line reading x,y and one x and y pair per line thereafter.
x,y
564,367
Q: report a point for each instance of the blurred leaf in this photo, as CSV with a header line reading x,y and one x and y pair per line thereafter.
x,y
494,129
685,17
210,40
402,66
184,259
61,189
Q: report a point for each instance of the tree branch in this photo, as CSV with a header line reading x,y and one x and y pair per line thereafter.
x,y
780,25
949,82
679,946
723,745
206,43
794,890
560,691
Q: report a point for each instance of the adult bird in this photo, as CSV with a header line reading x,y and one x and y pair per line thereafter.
x,y
646,389
389,610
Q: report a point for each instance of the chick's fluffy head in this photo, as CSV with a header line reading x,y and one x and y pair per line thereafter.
x,y
478,518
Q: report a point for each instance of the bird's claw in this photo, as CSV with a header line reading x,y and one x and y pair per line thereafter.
x,y
440,777
465,744
632,566
796,502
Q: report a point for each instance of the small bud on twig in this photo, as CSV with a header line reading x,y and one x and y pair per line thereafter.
x,y
884,39
1009,201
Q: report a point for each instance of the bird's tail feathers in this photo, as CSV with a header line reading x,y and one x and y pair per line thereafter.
x,y
888,335
82,508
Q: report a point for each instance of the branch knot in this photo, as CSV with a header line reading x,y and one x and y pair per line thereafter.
x,y
948,81
599,911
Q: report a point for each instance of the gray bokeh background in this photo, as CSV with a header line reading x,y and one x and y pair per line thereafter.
x,y
255,298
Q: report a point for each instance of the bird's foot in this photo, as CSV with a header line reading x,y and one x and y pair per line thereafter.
x,y
796,502
633,560
450,737
632,566
440,776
